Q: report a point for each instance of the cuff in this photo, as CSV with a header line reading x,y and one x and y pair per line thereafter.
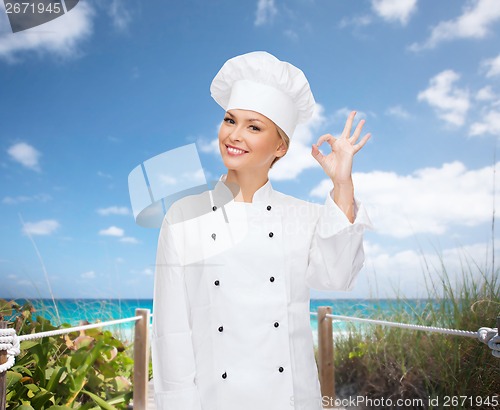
x,y
332,220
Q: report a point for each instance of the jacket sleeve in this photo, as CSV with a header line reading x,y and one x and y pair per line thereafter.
x,y
336,253
174,367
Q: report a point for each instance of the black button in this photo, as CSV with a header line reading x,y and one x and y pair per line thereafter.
x,y
276,324
269,207
221,328
224,375
271,278
214,208
216,283
281,369
271,234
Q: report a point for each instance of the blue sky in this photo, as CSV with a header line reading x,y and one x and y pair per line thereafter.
x,y
89,96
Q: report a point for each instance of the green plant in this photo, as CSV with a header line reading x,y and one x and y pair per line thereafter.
x,y
387,362
86,370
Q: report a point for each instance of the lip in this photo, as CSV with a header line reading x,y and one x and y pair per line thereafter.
x,y
234,154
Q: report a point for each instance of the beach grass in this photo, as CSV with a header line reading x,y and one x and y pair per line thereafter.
x,y
387,362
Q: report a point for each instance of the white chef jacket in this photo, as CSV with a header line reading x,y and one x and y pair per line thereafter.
x,y
231,329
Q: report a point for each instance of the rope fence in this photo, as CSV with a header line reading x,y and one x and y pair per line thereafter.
x,y
466,333
10,346
326,368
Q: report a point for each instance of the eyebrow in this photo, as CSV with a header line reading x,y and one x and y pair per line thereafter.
x,y
249,120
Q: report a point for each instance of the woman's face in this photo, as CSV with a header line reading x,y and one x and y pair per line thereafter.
x,y
249,140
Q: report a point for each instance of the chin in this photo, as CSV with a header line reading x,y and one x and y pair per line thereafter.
x,y
233,165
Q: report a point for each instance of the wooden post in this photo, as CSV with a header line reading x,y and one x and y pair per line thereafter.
x,y
141,359
3,375
325,356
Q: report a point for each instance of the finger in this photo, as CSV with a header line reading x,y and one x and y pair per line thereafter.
x,y
357,132
362,143
348,125
328,138
316,153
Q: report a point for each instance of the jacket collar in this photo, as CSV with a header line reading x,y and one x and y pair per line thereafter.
x,y
263,194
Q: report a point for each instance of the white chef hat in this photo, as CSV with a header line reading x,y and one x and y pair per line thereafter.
x,y
260,82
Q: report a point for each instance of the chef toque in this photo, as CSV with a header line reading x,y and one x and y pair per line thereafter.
x,y
260,82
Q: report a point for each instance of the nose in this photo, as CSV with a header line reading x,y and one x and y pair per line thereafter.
x,y
236,134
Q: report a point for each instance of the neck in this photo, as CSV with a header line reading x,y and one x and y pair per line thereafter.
x,y
248,181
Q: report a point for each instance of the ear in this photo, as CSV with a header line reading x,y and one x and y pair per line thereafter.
x,y
281,150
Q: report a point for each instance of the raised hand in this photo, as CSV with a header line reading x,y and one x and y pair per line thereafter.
x,y
338,163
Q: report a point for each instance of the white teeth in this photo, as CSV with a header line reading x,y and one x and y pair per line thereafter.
x,y
235,151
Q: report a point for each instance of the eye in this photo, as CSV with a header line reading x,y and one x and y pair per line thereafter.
x,y
229,120
254,128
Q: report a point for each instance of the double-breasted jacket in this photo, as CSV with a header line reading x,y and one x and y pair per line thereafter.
x,y
231,322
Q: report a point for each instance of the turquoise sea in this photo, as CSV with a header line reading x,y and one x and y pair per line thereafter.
x,y
73,311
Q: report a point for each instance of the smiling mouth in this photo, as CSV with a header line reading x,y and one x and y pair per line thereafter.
x,y
235,151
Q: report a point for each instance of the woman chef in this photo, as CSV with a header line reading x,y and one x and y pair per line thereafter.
x,y
231,324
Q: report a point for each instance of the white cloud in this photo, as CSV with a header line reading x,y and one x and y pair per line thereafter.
x,y
356,21
390,273
104,175
24,198
405,272
475,22
112,231
485,94
44,227
430,200
450,102
25,282
399,112
61,36
26,155
299,158
166,179
114,210
208,147
119,14
292,35
88,275
147,272
129,239
491,66
490,124
196,177
395,10
266,10
342,113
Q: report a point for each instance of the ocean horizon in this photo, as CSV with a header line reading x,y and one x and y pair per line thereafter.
x,y
75,311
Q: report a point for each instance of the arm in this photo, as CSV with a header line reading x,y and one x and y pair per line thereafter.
x,y
338,163
172,349
336,254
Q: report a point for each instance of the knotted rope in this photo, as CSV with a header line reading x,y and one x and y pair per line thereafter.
x,y
10,342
